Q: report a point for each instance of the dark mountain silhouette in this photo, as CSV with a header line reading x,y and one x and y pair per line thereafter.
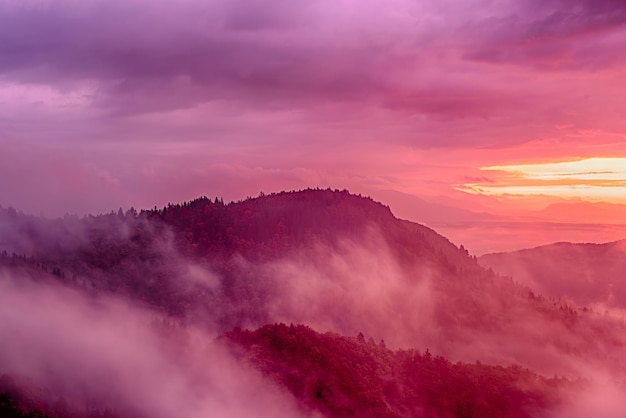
x,y
326,258
588,274
333,262
115,252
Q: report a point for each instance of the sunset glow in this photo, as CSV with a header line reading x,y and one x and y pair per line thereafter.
x,y
604,169
593,179
306,209
490,107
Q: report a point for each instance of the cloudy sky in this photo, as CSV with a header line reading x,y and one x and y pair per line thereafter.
x,y
498,106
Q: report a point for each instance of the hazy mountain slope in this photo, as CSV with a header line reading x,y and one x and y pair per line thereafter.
x,y
589,274
340,262
221,257
328,259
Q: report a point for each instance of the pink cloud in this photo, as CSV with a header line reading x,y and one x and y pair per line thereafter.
x,y
108,104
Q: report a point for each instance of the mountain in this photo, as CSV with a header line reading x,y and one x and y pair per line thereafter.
x,y
332,260
155,287
589,274
234,246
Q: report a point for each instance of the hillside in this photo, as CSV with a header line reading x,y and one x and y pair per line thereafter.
x,y
177,257
591,275
328,259
165,282
352,377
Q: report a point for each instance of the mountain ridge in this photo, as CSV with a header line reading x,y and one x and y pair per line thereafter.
x,y
587,273
328,260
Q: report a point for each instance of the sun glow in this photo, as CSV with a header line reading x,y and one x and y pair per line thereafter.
x,y
593,179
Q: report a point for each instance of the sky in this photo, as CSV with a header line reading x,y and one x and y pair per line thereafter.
x,y
514,108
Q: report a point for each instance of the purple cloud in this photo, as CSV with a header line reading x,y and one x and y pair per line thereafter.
x,y
555,34
274,51
141,88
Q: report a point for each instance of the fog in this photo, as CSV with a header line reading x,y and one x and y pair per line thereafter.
x,y
602,396
354,288
138,331
104,350
361,286
591,275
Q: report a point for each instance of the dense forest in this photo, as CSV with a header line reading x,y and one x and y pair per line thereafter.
x,y
355,377
459,340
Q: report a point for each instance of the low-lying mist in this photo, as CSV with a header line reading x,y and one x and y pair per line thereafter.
x,y
103,350
360,287
124,309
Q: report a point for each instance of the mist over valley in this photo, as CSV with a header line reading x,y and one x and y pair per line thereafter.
x,y
309,303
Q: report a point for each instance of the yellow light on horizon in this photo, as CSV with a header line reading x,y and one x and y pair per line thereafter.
x,y
593,179
588,169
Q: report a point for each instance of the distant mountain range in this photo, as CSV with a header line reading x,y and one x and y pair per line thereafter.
x,y
407,206
592,275
327,261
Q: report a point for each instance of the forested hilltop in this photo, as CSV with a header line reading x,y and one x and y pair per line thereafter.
x,y
335,264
